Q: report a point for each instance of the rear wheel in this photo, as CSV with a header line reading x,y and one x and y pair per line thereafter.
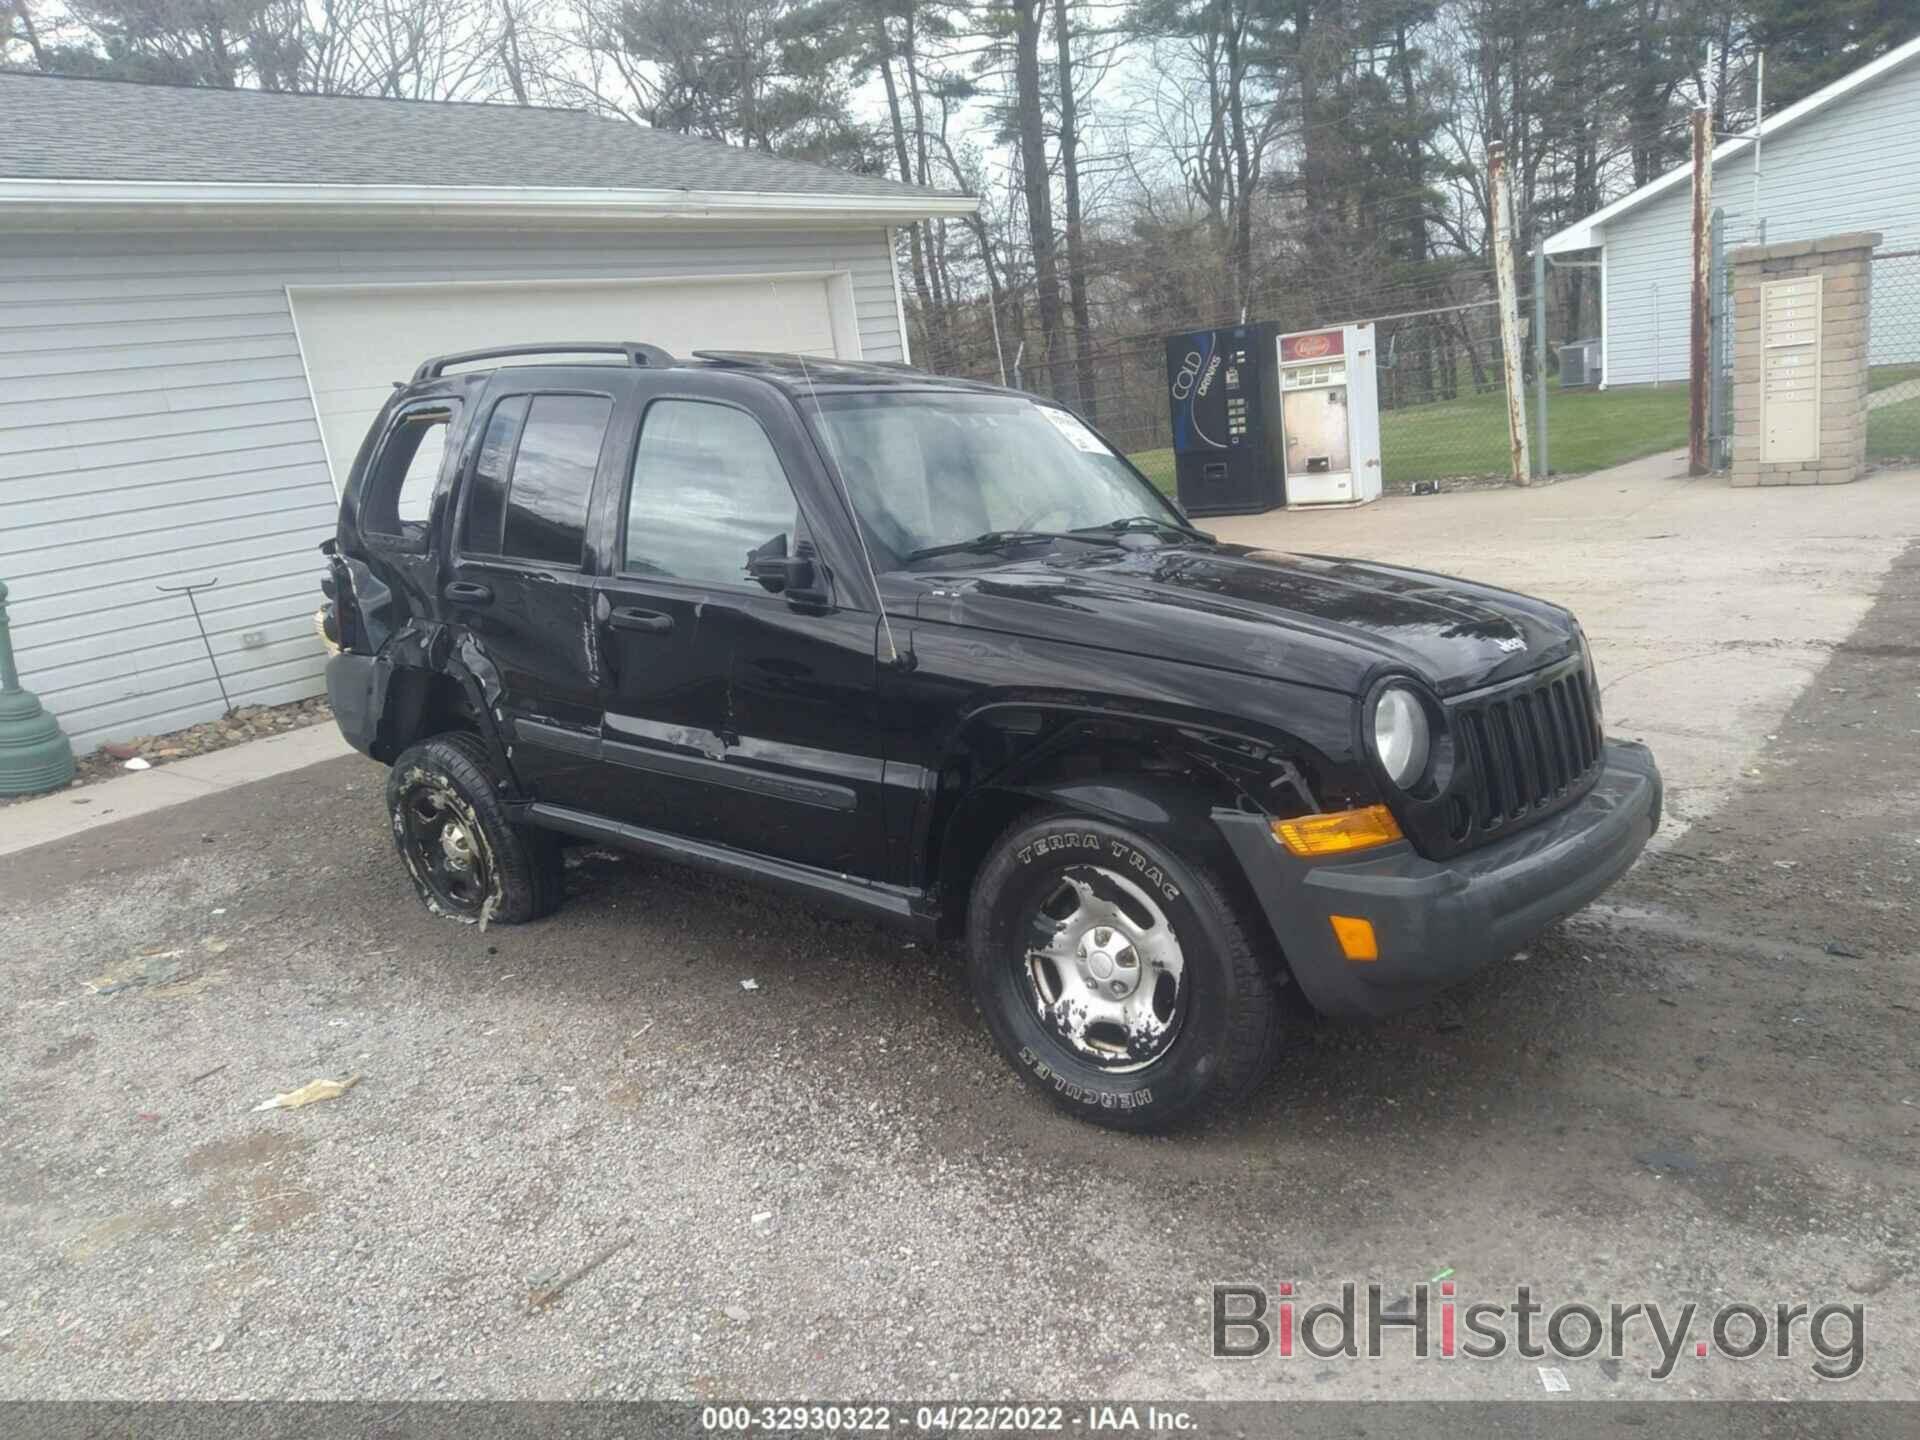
x,y
467,860
1118,975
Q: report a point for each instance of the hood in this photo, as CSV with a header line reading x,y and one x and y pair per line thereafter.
x,y
1312,619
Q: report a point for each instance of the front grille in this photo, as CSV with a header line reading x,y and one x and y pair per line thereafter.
x,y
1530,747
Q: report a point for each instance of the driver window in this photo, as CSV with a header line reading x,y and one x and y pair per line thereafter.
x,y
707,490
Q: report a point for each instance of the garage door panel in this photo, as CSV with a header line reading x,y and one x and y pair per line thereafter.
x,y
357,341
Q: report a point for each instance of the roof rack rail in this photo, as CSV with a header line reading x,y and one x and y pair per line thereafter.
x,y
639,354
746,357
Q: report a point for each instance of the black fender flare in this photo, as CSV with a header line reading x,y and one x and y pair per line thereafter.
x,y
1223,769
1177,815
1243,768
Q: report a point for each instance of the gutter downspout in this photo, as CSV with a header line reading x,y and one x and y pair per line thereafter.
x,y
1606,304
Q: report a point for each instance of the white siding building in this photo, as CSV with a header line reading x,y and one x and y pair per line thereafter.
x,y
1846,158
206,295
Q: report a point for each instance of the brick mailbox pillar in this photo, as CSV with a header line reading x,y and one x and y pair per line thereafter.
x,y
1800,360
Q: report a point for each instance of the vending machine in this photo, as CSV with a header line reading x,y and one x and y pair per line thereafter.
x,y
1330,416
1225,405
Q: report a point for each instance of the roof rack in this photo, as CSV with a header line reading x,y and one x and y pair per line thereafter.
x,y
638,353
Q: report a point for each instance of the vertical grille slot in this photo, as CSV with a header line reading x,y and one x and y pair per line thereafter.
x,y
1538,787
1492,807
1567,765
1519,784
1589,737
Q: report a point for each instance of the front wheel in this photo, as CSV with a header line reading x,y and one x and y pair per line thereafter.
x,y
467,860
1118,975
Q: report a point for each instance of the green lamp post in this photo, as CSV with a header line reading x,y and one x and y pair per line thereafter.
x,y
35,754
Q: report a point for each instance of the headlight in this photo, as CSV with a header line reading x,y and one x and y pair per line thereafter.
x,y
1400,735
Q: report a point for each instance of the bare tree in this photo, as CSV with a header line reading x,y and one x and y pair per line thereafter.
x,y
20,38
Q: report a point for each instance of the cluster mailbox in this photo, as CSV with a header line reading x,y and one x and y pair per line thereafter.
x,y
1262,419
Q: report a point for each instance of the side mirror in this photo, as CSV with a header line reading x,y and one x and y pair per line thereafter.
x,y
797,576
768,564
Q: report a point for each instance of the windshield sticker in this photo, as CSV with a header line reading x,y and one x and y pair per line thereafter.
x,y
1070,426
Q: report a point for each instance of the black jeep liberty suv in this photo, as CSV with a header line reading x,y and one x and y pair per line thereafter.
x,y
934,653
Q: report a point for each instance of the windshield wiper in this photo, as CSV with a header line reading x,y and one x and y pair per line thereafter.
x,y
999,539
1135,523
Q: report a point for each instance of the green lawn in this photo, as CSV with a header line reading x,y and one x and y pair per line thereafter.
x,y
1883,376
1893,431
1587,430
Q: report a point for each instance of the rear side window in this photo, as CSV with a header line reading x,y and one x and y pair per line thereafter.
x,y
533,478
399,493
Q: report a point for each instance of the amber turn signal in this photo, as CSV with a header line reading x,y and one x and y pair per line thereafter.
x,y
1338,833
1356,937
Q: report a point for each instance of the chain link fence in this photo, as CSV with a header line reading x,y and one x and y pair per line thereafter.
x,y
1443,413
1893,359
1442,397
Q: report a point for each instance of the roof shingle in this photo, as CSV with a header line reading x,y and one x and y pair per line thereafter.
x,y
61,128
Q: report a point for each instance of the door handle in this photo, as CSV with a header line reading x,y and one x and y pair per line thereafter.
x,y
469,592
627,618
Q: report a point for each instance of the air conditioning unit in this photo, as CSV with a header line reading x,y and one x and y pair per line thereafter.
x,y
1580,364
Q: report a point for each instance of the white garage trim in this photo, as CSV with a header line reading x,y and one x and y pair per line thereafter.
x,y
177,203
300,345
834,327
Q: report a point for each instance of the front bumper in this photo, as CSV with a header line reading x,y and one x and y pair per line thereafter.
x,y
1437,922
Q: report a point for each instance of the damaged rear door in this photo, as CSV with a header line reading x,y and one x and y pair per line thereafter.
x,y
518,586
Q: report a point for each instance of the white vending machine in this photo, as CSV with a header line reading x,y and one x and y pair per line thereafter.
x,y
1330,416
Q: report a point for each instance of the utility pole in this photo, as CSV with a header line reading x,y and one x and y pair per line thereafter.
x,y
1759,129
1540,352
1701,320
1503,280
993,314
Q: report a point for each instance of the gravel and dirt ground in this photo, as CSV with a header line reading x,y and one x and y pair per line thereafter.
x,y
583,1161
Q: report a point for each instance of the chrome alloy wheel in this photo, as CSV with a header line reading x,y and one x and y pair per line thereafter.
x,y
1104,970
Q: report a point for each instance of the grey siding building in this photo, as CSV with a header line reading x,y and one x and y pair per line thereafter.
x,y
205,296
1846,158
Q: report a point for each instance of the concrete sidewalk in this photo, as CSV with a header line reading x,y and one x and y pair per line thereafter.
x,y
69,812
1709,608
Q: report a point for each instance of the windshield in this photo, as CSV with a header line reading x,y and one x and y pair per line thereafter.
x,y
928,469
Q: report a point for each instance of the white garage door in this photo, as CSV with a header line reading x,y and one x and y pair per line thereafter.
x,y
357,340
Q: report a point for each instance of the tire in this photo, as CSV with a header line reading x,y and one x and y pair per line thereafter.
x,y
466,859
1180,1054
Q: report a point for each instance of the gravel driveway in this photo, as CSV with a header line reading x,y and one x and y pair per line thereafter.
x,y
583,1160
